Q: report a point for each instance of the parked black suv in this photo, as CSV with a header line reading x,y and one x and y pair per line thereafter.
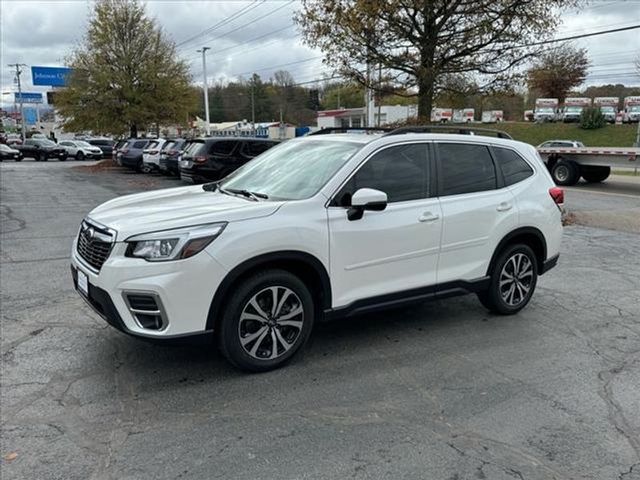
x,y
131,153
214,158
170,156
42,149
104,144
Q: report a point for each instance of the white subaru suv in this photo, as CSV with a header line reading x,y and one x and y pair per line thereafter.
x,y
320,227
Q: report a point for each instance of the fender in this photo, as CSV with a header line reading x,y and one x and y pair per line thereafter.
x,y
279,259
530,231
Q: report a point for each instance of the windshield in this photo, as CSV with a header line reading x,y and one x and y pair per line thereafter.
x,y
634,108
293,170
607,109
573,109
544,110
80,143
4,148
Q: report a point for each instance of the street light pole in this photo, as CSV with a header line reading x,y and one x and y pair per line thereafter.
x,y
18,72
205,86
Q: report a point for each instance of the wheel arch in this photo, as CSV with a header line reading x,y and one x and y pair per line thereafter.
x,y
302,264
530,236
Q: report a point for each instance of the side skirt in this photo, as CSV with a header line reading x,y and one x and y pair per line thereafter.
x,y
406,297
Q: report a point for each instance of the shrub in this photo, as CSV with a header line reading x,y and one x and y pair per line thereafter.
x,y
592,118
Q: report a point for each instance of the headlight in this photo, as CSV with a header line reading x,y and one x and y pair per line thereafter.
x,y
173,244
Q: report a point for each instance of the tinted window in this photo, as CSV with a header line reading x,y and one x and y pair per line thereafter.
x,y
140,144
168,146
222,148
465,168
514,167
194,148
402,172
253,149
153,144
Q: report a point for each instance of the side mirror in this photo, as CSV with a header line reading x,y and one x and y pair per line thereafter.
x,y
366,199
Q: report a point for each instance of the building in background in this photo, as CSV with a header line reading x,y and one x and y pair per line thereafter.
x,y
356,117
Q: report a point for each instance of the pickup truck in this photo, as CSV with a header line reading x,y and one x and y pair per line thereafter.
x,y
42,150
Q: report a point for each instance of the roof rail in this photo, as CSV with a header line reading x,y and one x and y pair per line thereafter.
x,y
450,129
327,130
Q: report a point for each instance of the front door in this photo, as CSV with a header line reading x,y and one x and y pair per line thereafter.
x,y
391,250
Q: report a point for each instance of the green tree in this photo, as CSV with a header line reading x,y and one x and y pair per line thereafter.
x,y
126,75
420,43
557,71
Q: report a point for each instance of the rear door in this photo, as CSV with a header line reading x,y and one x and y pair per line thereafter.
x,y
224,158
477,210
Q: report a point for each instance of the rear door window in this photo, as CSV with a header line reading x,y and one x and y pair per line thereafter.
x,y
514,167
139,144
223,148
465,168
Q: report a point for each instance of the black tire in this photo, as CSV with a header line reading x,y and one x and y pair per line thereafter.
x,y
18,159
79,156
496,298
595,174
565,173
43,157
232,329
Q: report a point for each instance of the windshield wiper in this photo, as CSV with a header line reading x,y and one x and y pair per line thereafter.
x,y
246,193
255,196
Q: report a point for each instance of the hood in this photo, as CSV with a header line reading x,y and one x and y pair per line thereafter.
x,y
174,208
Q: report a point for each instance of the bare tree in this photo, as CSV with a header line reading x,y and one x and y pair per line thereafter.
x,y
423,45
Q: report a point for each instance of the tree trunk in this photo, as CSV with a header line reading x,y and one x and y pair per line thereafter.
x,y
425,99
133,131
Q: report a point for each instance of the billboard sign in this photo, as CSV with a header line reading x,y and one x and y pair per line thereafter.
x,y
50,76
25,97
30,116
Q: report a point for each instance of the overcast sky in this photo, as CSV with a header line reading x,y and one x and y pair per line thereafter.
x,y
262,37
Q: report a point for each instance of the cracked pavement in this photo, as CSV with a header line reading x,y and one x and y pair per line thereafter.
x,y
442,390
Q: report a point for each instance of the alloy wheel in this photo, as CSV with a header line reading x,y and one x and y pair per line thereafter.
x,y
516,279
271,322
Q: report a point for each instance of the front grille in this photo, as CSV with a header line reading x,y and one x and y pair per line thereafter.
x,y
94,245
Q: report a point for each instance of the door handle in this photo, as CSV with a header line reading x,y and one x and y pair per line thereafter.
x,y
428,217
504,206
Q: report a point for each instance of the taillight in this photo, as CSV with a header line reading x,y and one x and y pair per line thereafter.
x,y
199,159
124,150
557,194
172,152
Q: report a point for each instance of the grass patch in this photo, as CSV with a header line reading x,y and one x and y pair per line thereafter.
x,y
628,173
536,133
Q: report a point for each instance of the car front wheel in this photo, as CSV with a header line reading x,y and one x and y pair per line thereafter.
x,y
79,156
513,281
267,319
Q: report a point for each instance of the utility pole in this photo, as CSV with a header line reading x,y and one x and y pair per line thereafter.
x,y
379,94
253,107
18,72
205,86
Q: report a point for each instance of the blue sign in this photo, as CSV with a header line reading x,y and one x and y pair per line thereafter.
x,y
50,76
28,97
30,116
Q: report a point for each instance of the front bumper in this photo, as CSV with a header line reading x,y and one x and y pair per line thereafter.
x,y
185,289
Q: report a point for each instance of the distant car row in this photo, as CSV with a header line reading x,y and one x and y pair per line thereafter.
x,y
195,161
42,149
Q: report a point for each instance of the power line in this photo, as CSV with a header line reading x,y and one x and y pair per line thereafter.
x,y
575,37
246,9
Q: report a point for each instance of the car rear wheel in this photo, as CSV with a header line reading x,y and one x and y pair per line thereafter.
x,y
565,173
42,157
268,318
79,156
513,281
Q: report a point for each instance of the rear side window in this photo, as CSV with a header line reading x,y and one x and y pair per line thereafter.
x,y
222,148
139,144
465,169
253,149
514,167
194,148
153,144
168,146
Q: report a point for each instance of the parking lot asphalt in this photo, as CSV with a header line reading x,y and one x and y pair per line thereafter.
x,y
442,390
